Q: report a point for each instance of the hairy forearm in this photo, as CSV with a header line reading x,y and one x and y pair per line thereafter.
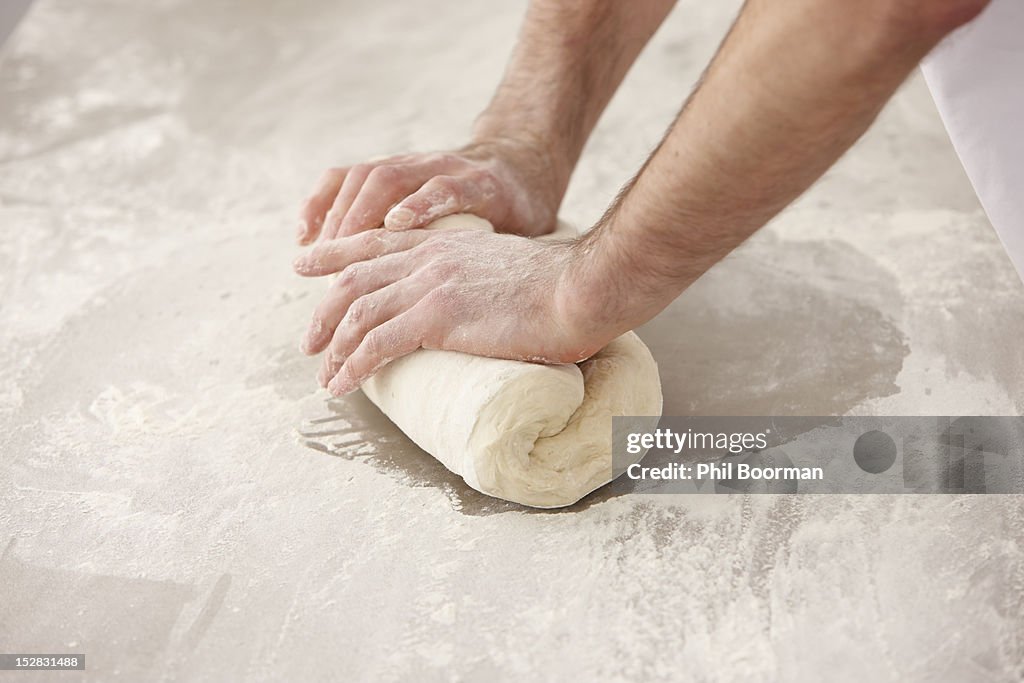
x,y
570,58
792,87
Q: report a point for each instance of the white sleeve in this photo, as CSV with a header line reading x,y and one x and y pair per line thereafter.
x,y
977,79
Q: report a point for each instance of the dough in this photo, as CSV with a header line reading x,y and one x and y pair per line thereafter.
x,y
539,435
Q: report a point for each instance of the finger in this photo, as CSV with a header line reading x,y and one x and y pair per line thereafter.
x,y
442,196
393,339
355,281
336,255
349,190
365,314
385,186
311,214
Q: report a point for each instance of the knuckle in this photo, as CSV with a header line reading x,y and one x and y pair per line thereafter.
x,y
485,176
443,269
373,343
432,299
360,311
355,312
432,252
383,175
379,159
362,169
335,356
365,242
438,299
444,185
426,249
352,318
433,271
442,158
349,276
487,182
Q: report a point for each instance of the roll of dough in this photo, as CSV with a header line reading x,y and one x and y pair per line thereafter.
x,y
539,435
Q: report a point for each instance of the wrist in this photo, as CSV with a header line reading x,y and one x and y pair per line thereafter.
x,y
532,183
611,285
590,303
527,146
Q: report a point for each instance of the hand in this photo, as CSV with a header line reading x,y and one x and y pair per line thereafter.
x,y
510,183
482,293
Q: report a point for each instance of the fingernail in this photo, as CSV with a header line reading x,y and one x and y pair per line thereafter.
x,y
300,231
299,264
398,218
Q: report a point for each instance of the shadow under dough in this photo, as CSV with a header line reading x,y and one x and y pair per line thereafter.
x,y
781,328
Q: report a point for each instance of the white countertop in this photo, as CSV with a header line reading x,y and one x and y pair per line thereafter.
x,y
162,511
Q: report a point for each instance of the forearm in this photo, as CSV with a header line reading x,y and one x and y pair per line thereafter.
x,y
793,86
570,58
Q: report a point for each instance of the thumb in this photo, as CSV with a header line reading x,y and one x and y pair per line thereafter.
x,y
400,218
440,196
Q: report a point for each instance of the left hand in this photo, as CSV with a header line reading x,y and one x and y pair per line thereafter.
x,y
508,181
477,292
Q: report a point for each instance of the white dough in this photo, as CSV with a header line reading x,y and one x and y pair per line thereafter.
x,y
539,435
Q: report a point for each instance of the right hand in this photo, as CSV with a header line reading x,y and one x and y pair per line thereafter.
x,y
472,291
512,184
